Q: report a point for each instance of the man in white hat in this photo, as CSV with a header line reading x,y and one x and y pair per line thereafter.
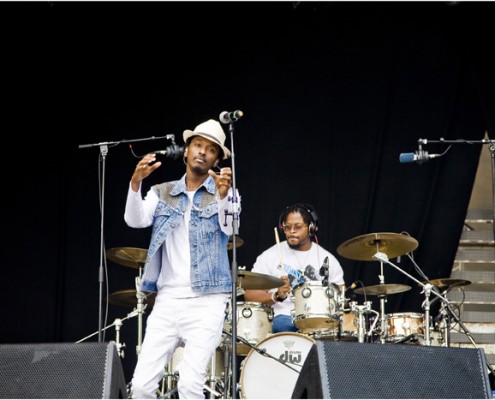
x,y
187,263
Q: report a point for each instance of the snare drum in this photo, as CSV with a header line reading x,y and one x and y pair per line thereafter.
x,y
254,323
316,306
265,377
400,325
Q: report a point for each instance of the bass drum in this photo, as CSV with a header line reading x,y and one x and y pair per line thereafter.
x,y
269,377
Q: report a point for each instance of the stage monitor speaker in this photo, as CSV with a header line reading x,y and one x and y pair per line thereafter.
x,y
61,371
355,370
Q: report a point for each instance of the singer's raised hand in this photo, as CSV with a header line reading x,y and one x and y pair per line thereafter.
x,y
143,169
222,180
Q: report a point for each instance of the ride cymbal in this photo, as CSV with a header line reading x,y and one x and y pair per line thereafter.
x,y
238,242
132,257
255,280
364,247
382,289
127,298
447,283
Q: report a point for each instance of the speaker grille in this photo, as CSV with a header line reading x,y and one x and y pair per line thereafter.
x,y
61,370
363,370
352,370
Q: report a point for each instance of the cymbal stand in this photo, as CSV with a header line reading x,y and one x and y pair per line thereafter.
x,y
383,316
445,328
383,258
120,347
117,323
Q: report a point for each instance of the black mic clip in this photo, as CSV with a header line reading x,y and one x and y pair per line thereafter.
x,y
174,151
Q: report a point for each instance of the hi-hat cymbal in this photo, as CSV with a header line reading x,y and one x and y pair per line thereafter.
x,y
127,298
382,289
364,247
447,283
128,256
255,280
238,242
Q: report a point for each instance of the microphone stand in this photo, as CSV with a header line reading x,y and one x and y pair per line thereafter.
x,y
103,146
492,155
235,233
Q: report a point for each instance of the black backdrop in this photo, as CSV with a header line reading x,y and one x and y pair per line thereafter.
x,y
332,94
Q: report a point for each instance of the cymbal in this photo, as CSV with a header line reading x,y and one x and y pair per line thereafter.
x,y
447,283
364,247
127,298
255,280
238,241
382,289
128,256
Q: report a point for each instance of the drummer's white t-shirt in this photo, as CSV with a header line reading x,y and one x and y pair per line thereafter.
x,y
299,266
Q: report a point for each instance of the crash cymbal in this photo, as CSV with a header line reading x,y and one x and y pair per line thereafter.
x,y
254,280
447,283
127,298
382,289
364,247
128,256
238,241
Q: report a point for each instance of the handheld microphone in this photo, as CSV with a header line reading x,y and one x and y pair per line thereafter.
x,y
173,151
227,117
418,157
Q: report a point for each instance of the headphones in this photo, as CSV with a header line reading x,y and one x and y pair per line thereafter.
x,y
300,207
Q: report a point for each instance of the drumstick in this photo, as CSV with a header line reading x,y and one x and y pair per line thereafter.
x,y
277,240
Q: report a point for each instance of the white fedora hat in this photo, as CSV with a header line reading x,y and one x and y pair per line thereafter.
x,y
211,130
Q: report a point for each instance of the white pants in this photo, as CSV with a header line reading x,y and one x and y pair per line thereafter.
x,y
196,322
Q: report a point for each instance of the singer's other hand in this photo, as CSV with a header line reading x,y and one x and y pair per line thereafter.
x,y
222,180
143,169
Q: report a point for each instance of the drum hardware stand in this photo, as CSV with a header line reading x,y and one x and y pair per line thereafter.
x,y
382,257
140,311
117,323
167,382
360,311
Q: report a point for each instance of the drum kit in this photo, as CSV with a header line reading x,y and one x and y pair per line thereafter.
x,y
319,311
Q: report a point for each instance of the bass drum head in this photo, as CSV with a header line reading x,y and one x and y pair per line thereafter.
x,y
264,377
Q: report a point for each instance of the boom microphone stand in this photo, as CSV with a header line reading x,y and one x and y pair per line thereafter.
x,y
172,151
229,118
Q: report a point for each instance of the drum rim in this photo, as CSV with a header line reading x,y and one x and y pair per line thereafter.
x,y
405,314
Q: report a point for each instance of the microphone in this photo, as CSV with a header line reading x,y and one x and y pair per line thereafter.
x,y
418,157
227,117
324,272
412,337
353,286
173,151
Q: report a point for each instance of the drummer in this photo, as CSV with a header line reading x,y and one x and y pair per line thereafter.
x,y
296,260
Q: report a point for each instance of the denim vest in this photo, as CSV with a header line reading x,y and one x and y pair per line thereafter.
x,y
210,270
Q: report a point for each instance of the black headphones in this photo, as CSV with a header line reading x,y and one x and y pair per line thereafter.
x,y
301,207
